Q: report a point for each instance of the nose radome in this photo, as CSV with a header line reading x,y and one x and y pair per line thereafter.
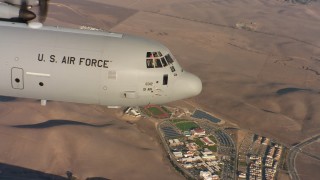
x,y
188,85
195,85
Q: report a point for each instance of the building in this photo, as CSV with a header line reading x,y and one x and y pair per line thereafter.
x,y
255,169
206,152
178,154
187,165
254,157
192,146
198,132
191,159
134,111
175,142
206,175
187,133
207,141
242,175
189,154
265,141
271,152
215,177
209,157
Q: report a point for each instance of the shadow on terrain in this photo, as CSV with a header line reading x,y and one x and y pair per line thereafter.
x,y
54,123
10,172
290,90
268,111
97,178
6,99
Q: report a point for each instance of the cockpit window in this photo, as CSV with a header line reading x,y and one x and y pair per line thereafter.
x,y
150,63
158,63
149,55
169,59
164,62
155,54
157,60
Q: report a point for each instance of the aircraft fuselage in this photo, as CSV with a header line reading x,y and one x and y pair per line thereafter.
x,y
90,67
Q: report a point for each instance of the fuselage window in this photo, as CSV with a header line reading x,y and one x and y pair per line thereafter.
x,y
149,55
158,63
160,54
150,63
164,62
169,59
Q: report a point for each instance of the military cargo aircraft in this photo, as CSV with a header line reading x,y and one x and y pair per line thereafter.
x,y
91,67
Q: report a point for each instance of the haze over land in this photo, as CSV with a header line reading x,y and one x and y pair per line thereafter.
x,y
258,60
248,54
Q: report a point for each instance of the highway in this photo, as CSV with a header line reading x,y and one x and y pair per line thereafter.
x,y
294,150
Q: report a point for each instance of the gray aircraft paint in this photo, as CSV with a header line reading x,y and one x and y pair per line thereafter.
x,y
53,63
19,2
7,11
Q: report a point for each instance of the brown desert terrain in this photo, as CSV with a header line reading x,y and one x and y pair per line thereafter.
x,y
258,60
87,140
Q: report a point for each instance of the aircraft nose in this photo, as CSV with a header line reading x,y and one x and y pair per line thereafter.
x,y
188,85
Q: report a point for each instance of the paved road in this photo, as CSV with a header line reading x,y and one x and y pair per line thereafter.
x,y
294,150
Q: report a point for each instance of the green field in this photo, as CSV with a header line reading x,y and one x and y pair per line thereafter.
x,y
213,139
175,121
199,143
186,125
213,148
155,111
202,145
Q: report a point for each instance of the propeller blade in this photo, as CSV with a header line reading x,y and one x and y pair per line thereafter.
x,y
43,10
24,4
24,13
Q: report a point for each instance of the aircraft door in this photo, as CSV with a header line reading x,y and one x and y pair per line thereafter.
x,y
17,79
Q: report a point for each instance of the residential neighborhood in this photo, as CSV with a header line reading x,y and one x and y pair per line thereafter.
x,y
200,147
